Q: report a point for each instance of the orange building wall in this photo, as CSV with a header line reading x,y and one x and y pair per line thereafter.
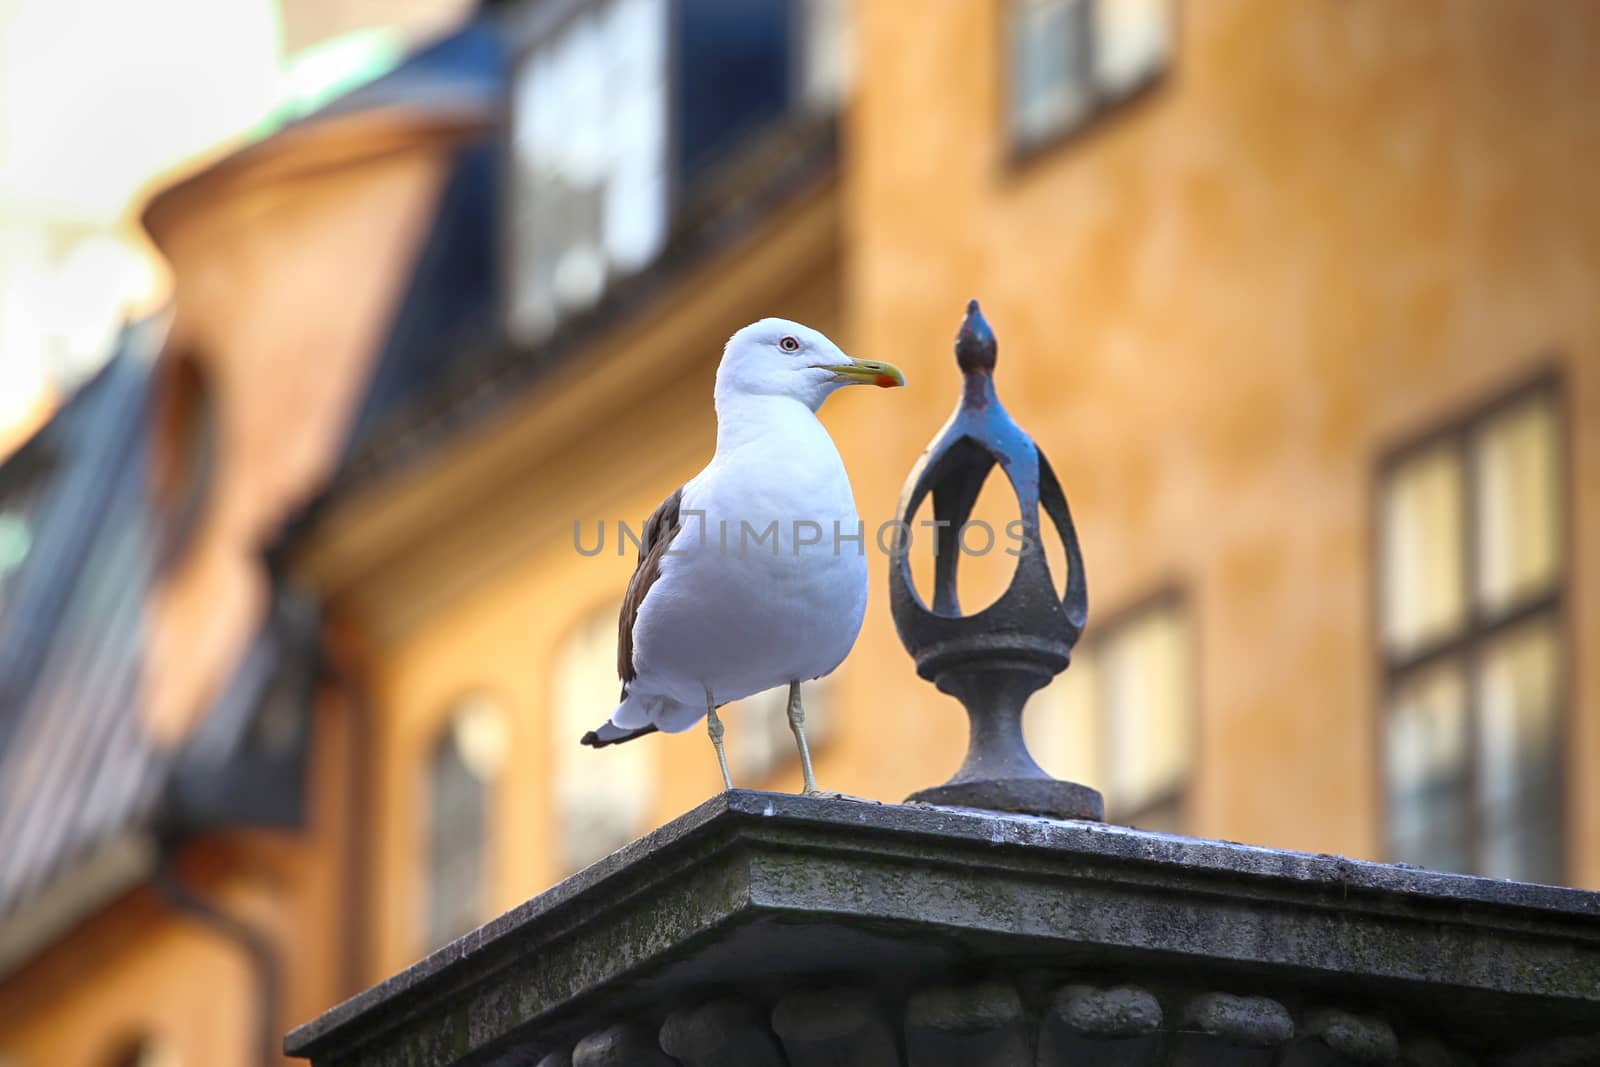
x,y
1331,226
170,982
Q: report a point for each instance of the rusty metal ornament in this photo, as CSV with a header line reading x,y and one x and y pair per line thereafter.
x,y
994,660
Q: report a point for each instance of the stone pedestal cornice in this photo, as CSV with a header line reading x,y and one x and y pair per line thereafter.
x,y
765,927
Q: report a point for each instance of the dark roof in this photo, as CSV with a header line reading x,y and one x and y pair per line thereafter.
x,y
446,319
75,765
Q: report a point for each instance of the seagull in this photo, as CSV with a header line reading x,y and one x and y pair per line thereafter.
x,y
752,575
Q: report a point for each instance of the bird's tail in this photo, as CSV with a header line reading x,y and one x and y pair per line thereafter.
x,y
640,714
611,734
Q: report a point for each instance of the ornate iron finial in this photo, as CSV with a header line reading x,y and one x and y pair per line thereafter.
x,y
994,660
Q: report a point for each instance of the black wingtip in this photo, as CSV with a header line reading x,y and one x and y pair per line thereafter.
x,y
591,739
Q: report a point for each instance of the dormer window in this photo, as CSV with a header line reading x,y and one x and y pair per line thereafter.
x,y
621,110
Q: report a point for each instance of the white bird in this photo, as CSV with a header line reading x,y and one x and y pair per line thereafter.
x,y
752,574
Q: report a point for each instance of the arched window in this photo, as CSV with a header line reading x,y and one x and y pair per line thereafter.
x,y
462,768
606,798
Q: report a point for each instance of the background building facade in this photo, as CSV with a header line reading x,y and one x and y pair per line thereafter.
x,y
1298,298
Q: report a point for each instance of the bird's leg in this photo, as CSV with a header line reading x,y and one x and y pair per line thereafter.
x,y
797,723
714,728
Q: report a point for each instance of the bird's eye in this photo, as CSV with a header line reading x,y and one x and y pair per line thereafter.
x,y
789,344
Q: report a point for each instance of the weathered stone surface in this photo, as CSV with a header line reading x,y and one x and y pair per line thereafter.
x,y
723,1033
625,1045
1250,1021
1121,1011
766,894
1242,1031
978,1025
834,1028
1092,1027
1334,1038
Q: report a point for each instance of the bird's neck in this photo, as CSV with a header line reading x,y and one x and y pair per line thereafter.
x,y
745,418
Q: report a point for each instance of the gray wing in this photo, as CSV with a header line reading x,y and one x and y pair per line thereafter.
x,y
659,530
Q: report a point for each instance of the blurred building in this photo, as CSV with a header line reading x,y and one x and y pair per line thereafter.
x,y
300,610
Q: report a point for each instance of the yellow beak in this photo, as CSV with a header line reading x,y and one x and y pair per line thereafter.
x,y
865,372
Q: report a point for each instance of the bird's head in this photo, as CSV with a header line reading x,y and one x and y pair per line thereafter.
x,y
776,357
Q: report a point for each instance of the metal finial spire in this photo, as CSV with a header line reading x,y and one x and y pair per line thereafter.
x,y
994,660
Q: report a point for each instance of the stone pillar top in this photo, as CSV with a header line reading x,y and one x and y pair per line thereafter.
x,y
770,927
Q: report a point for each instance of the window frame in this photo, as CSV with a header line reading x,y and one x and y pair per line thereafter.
x,y
694,209
602,615
1171,596
1019,154
1479,628
442,732
788,758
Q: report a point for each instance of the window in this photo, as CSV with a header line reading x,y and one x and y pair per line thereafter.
x,y
462,768
1071,59
1470,582
604,798
759,739
624,109
589,144
1121,718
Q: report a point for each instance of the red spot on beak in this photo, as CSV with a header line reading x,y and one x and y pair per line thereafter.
x,y
886,382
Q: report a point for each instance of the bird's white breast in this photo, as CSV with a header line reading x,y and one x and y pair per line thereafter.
x,y
744,603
